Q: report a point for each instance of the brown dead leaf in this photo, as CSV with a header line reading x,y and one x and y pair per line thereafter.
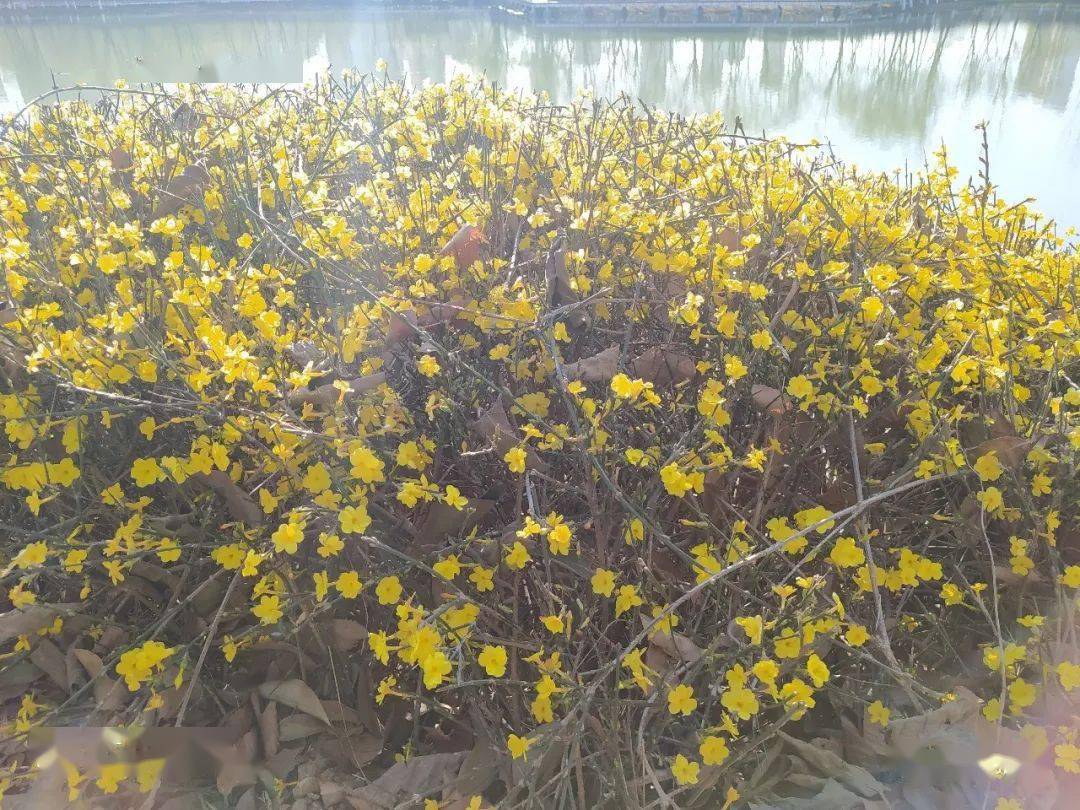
x,y
729,239
298,726
28,621
242,507
1011,450
345,634
108,692
443,520
948,729
677,646
464,246
770,400
829,764
297,694
663,367
48,658
598,368
494,426
327,396
182,190
418,776
268,729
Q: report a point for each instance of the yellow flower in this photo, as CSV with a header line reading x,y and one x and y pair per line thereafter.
x,y
518,746
348,584
681,700
1067,757
515,459
801,388
878,713
554,624
268,611
111,776
483,579
951,595
1071,577
752,626
845,554
428,365
818,671
603,582
988,467
713,750
454,498
684,770
493,660
354,519
329,545
140,663
31,555
287,537
856,635
447,568
1021,695
626,599
388,590
146,472
740,701
559,539
517,557
322,585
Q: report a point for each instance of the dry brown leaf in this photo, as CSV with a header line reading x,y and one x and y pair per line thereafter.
x,y
241,505
663,367
1011,450
299,725
464,246
443,520
829,764
494,426
182,190
48,658
327,396
770,400
418,776
28,621
108,692
729,239
677,646
948,729
297,694
345,634
598,368
268,729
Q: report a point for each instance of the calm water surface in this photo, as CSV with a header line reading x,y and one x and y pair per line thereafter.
x,y
885,97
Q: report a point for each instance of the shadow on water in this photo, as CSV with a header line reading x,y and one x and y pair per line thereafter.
x,y
884,95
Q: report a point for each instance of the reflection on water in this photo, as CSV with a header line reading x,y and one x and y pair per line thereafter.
x,y
884,97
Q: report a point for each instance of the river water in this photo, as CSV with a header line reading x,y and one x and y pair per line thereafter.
x,y
884,95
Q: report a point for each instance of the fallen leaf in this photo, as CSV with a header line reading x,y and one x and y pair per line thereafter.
x,y
494,425
662,367
598,368
299,725
326,396
345,634
47,657
770,400
242,507
417,776
948,729
829,764
297,694
464,246
268,729
181,190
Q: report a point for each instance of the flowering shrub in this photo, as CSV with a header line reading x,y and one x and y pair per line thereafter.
x,y
583,457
